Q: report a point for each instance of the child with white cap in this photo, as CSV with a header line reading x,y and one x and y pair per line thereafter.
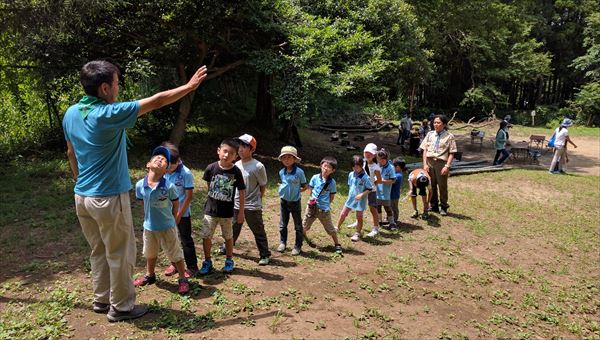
x,y
372,169
293,182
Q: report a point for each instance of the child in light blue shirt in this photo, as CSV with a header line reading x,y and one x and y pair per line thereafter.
x,y
399,166
161,204
293,182
359,186
384,187
183,179
322,190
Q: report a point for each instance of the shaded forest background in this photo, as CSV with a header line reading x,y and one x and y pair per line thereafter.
x,y
282,64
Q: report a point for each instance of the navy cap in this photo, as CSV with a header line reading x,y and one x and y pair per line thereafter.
x,y
161,150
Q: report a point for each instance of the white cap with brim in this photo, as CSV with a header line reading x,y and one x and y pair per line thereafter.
x,y
371,148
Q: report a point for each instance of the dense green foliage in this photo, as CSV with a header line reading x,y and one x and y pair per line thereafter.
x,y
283,61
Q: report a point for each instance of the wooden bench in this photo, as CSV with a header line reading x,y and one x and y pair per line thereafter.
x,y
536,142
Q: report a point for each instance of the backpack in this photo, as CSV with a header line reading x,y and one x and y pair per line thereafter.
x,y
552,140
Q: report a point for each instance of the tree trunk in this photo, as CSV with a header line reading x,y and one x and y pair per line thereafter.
x,y
265,113
185,107
289,133
412,96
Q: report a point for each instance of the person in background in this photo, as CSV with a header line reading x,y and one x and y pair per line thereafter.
x,y
404,129
501,138
560,147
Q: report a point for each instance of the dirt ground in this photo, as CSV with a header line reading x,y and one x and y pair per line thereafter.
x,y
435,279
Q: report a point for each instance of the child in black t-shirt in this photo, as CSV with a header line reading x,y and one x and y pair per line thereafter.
x,y
222,178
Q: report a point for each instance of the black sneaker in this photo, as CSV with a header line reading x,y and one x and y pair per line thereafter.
x,y
338,248
309,242
100,307
435,209
137,311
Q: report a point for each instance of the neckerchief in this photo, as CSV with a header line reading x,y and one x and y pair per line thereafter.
x,y
436,146
87,104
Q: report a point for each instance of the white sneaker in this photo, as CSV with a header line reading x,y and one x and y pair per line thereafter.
x,y
281,248
353,225
355,237
373,232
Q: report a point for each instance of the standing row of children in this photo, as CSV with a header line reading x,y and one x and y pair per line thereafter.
x,y
235,192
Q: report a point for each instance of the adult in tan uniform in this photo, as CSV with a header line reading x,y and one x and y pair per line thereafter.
x,y
438,148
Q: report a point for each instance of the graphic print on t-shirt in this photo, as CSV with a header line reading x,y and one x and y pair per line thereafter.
x,y
221,187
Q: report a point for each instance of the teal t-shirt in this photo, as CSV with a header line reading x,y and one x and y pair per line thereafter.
x,y
317,184
158,204
183,179
358,183
100,145
384,190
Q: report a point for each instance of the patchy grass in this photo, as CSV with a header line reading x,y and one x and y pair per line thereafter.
x,y
517,258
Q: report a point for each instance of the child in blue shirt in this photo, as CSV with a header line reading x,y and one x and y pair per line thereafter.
x,y
293,182
384,187
160,201
399,166
183,179
359,186
322,192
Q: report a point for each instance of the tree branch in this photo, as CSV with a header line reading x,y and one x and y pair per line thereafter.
x,y
217,71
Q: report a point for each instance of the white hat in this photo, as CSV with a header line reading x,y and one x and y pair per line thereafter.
x,y
371,148
289,150
566,122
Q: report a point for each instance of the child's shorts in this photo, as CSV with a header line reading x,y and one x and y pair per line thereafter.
x,y
422,191
168,240
210,224
323,216
372,199
346,210
384,203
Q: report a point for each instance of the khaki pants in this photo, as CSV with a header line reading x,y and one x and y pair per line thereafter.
x,y
107,225
438,181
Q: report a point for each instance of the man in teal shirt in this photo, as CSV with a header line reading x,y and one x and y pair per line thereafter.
x,y
96,147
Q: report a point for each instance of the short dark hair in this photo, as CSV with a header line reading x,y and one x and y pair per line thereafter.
x,y
383,154
231,143
443,118
329,160
399,162
174,150
356,160
96,72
